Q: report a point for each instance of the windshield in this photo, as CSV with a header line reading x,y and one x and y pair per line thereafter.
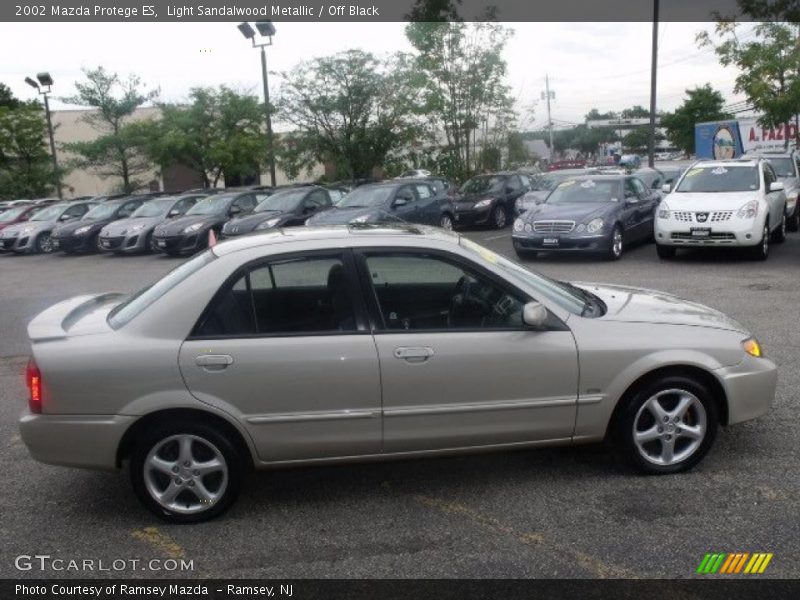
x,y
564,295
719,179
12,213
101,211
281,201
366,197
213,205
49,214
154,208
136,303
483,184
784,166
585,190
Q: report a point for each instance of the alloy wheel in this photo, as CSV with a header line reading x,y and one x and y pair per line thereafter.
x,y
616,242
446,223
185,474
45,243
499,217
669,427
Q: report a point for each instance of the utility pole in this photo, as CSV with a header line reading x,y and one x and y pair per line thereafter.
x,y
651,150
267,111
548,94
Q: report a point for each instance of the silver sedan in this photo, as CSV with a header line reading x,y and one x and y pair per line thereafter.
x,y
323,345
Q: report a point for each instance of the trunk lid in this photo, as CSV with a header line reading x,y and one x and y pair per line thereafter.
x,y
81,315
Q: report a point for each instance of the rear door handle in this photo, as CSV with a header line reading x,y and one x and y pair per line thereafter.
x,y
413,354
213,362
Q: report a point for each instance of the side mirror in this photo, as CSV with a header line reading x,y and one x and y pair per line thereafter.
x,y
235,210
64,218
534,314
173,213
776,186
307,209
666,188
631,199
400,202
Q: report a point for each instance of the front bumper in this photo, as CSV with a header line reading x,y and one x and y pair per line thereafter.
x,y
20,243
466,215
75,243
179,244
88,441
734,232
123,244
561,242
749,388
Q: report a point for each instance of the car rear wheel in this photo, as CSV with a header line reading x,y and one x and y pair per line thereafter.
x,y
499,217
761,251
44,243
665,252
446,222
186,473
615,248
668,425
779,236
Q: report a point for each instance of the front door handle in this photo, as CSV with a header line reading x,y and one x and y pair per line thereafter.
x,y
413,354
213,362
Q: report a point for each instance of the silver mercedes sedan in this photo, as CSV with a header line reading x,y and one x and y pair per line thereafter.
x,y
322,345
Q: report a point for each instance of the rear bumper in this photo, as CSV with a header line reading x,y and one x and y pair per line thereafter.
x,y
88,441
749,387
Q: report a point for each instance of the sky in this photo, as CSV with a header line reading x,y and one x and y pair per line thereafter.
x,y
590,65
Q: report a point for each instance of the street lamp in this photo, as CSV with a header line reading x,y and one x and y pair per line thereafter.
x,y
267,30
45,81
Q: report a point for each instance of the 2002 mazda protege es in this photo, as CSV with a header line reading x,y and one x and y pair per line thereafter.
x,y
311,345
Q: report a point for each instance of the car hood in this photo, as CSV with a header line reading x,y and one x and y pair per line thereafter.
x,y
341,216
640,305
176,226
702,201
123,226
17,228
249,222
66,229
574,211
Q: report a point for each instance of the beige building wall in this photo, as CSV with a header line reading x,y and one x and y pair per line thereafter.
x,y
70,126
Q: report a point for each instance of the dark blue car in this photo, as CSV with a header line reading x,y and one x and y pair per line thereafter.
x,y
403,200
593,213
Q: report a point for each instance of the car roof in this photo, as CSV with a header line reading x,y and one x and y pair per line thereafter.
x,y
606,176
734,162
355,233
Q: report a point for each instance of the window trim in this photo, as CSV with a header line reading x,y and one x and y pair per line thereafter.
x,y
346,255
377,323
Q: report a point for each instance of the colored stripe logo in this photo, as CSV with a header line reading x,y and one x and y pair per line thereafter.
x,y
734,563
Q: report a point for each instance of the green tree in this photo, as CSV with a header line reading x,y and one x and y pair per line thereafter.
x,y
26,170
768,63
460,72
638,140
517,152
116,152
7,98
635,112
702,104
596,115
350,109
218,133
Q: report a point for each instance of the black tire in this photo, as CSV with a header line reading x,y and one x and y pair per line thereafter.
x,y
499,217
761,251
617,244
779,235
446,222
203,434
665,252
43,244
793,224
635,414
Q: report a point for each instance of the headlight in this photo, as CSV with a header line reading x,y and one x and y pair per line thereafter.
x,y
483,203
594,225
192,228
748,211
663,213
136,227
752,347
268,223
27,230
82,230
361,219
518,225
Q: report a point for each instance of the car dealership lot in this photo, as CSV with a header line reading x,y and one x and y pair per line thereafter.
x,y
534,513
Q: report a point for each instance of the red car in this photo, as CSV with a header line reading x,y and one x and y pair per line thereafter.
x,y
16,214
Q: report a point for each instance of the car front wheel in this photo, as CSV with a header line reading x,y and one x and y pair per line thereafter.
x,y
668,425
44,243
446,222
186,473
615,248
779,236
499,217
761,251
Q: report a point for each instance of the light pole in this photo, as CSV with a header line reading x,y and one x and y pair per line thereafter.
x,y
651,145
267,30
46,82
547,94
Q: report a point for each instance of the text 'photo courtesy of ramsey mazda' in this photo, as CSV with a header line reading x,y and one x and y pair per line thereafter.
x,y
352,329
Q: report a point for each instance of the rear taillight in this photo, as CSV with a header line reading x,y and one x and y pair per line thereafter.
x,y
33,378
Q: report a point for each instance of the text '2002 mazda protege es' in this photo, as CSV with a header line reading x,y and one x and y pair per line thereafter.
x,y
312,345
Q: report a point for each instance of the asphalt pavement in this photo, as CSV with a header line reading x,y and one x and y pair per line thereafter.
x,y
562,512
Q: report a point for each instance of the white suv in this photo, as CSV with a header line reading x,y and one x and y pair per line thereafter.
x,y
723,203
